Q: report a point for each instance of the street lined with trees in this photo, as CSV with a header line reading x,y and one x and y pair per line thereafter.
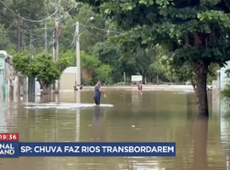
x,y
174,41
196,32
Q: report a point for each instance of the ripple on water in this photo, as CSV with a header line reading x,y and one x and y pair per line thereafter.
x,y
151,117
62,105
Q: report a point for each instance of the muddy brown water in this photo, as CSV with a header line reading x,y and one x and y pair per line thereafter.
x,y
151,117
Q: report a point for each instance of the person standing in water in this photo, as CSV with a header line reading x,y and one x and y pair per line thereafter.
x,y
97,93
140,86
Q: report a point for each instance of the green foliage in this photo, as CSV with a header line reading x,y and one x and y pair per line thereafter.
x,y
148,33
89,34
5,42
212,74
109,53
225,93
144,61
120,84
40,66
193,33
21,63
185,72
87,81
103,73
46,70
63,62
100,70
89,61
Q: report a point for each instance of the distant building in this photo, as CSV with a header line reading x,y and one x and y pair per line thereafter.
x,y
67,80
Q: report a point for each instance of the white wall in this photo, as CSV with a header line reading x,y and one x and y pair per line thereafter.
x,y
70,70
223,81
68,78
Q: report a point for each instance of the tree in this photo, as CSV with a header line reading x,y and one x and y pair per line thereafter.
x,y
161,70
141,61
90,35
5,42
14,12
196,31
93,68
103,73
225,93
41,67
33,16
108,52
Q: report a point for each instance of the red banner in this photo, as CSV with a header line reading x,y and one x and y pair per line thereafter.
x,y
9,136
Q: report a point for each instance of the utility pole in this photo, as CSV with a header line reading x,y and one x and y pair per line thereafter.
x,y
45,38
17,85
78,62
30,42
56,38
57,42
54,51
29,80
78,57
54,44
19,34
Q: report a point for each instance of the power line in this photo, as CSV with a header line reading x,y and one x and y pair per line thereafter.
x,y
70,9
93,27
35,29
41,20
74,40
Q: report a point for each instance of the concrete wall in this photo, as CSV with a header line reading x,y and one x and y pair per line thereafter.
x,y
67,80
215,96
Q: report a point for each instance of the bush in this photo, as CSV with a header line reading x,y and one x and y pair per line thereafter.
x,y
225,93
103,73
120,84
87,81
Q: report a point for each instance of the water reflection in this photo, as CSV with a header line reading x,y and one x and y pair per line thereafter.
x,y
78,118
3,119
190,105
200,145
97,125
151,117
136,101
30,98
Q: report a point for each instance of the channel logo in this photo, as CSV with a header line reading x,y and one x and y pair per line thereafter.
x,y
9,145
7,149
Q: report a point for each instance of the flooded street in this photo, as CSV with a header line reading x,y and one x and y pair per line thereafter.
x,y
126,116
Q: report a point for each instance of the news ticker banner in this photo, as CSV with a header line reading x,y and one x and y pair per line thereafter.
x,y
10,147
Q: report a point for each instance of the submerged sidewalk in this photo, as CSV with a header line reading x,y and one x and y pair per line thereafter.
x,y
150,87
145,88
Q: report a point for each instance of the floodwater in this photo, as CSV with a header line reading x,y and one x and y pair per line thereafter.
x,y
126,116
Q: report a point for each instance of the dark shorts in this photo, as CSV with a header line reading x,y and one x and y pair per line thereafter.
x,y
97,100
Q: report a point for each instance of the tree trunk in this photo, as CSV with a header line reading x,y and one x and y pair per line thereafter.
x,y
201,69
46,98
46,89
158,80
41,85
143,78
